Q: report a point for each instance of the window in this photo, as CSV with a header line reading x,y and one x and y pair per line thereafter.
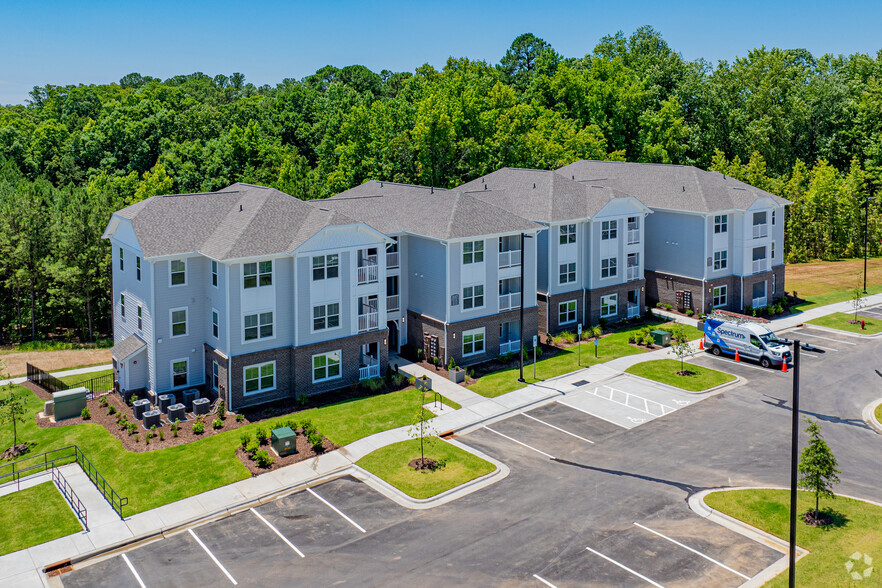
x,y
257,274
325,266
326,366
721,223
122,263
326,316
773,218
608,267
472,252
773,285
720,296
180,367
138,268
258,326
567,273
473,297
122,305
721,260
215,324
609,230
772,254
178,272
567,234
759,253
260,378
178,322
140,323
214,273
215,370
566,312
473,342
609,305
759,218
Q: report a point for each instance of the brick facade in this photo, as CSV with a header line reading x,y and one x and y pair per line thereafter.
x,y
550,306
350,348
420,325
749,281
283,356
223,370
621,290
663,288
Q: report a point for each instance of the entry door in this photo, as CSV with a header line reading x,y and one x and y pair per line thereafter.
x,y
393,336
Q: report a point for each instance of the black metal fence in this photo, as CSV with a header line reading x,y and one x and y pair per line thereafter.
x,y
44,380
68,492
98,384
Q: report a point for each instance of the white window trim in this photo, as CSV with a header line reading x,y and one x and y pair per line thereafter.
x,y
139,317
560,233
122,305
611,225
483,332
138,268
339,376
483,297
171,324
171,369
483,252
259,377
724,291
610,276
122,260
722,267
312,328
214,365
324,266
215,312
566,304
258,338
575,272
721,224
616,305
170,285
215,274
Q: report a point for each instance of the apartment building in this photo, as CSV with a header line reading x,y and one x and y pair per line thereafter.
x,y
711,242
462,274
246,292
590,248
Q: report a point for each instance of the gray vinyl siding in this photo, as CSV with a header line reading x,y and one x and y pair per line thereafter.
x,y
581,259
283,323
303,318
426,277
136,293
542,260
675,243
217,300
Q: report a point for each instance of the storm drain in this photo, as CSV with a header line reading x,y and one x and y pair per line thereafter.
x,y
580,383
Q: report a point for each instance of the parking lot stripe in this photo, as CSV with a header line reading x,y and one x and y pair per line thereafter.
x,y
828,338
276,531
626,568
134,571
544,581
695,551
520,443
558,428
336,510
214,559
744,364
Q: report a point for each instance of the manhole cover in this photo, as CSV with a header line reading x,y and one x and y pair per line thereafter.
x,y
580,383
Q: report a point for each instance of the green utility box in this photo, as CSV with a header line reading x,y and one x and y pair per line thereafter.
x,y
661,338
284,441
69,403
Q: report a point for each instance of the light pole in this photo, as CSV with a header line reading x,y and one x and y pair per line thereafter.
x,y
866,223
521,324
794,458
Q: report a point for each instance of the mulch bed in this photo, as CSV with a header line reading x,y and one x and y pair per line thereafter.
x,y
304,452
425,463
819,519
14,451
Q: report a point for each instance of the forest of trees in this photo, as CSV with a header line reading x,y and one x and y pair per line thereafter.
x,y
808,128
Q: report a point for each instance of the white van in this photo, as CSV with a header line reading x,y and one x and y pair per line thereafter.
x,y
752,340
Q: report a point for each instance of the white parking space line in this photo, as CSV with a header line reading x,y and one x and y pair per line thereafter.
x,y
742,363
214,559
826,338
544,581
558,428
615,392
808,355
601,417
134,572
521,443
695,551
277,532
626,568
336,510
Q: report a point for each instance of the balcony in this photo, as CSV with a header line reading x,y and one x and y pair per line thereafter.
x,y
758,302
368,322
633,236
633,273
392,259
392,302
369,371
759,265
509,258
760,231
633,310
509,301
509,347
368,274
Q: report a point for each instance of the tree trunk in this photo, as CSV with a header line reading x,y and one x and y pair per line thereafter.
x,y
817,504
18,308
33,314
89,317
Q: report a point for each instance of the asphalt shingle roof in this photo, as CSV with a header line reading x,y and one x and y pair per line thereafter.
x,y
127,347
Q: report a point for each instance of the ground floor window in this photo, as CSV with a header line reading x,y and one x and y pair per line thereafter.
x,y
180,369
566,312
609,305
473,341
721,294
260,378
215,370
326,366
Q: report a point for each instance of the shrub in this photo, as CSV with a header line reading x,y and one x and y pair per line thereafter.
x,y
161,435
373,385
647,340
659,305
770,310
437,361
419,354
451,365
148,437
137,439
602,323
632,337
240,417
399,380
175,426
86,414
597,331
252,446
668,307
198,427
538,352
506,357
261,435
388,375
301,399
103,401
132,399
111,410
470,373
221,410
131,428
308,427
690,312
291,424
217,423
567,337
315,439
263,458
245,438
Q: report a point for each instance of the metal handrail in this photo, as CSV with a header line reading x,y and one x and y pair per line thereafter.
x,y
68,492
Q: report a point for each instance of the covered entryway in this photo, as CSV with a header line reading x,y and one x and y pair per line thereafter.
x,y
130,361
393,336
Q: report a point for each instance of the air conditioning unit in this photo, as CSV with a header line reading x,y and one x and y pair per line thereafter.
x,y
201,406
139,407
177,412
151,417
166,400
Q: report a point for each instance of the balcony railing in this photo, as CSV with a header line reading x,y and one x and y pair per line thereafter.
x,y
509,301
633,311
392,259
369,371
760,231
367,322
759,265
368,274
392,302
758,302
633,272
509,347
633,236
509,258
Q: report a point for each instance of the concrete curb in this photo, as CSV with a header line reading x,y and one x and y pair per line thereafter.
x,y
869,415
709,392
838,331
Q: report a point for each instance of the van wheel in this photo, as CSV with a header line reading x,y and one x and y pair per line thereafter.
x,y
765,362
716,350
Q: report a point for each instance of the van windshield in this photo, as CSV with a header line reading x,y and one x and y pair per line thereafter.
x,y
770,339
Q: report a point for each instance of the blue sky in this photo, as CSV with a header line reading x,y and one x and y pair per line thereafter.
x,y
53,42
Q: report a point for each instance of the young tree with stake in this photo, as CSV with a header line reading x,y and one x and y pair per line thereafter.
x,y
817,467
680,346
421,428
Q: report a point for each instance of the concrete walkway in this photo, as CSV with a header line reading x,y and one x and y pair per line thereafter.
x,y
813,313
64,373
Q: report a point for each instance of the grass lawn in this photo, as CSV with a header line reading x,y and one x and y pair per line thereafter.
x,y
158,477
610,347
34,515
839,320
827,282
858,531
70,380
390,464
665,371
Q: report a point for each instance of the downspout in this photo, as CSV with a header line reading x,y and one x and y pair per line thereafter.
x,y
548,274
704,262
229,341
587,273
446,301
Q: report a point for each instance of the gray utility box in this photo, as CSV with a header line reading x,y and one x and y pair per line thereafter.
x,y
166,400
139,407
284,441
151,417
190,395
177,411
69,403
662,338
201,405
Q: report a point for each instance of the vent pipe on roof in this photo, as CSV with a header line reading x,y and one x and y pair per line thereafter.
x,y
432,190
482,180
534,185
240,208
684,188
574,176
485,186
381,184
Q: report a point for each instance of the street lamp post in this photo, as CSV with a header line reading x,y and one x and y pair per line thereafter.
x,y
521,325
794,458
